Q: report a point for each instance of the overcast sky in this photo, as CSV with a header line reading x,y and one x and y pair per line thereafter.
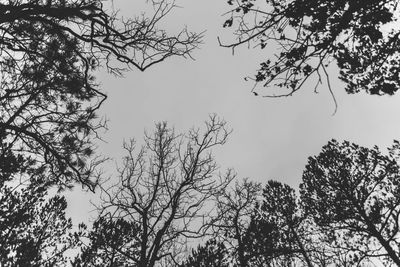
x,y
271,138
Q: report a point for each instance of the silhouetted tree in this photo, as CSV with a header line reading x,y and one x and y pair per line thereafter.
x,y
166,190
308,35
49,51
353,194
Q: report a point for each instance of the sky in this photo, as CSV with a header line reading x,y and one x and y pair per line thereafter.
x,y
271,139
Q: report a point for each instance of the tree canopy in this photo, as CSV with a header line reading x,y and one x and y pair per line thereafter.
x,y
353,193
359,37
212,253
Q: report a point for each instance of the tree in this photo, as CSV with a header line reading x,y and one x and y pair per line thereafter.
x,y
34,230
352,193
49,51
166,190
309,35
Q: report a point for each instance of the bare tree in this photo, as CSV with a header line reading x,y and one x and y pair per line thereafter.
x,y
49,51
167,190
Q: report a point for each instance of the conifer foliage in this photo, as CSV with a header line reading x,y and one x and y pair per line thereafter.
x,y
307,36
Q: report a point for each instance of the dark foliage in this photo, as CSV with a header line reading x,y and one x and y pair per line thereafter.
x,y
276,232
33,228
309,35
110,243
353,193
212,254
